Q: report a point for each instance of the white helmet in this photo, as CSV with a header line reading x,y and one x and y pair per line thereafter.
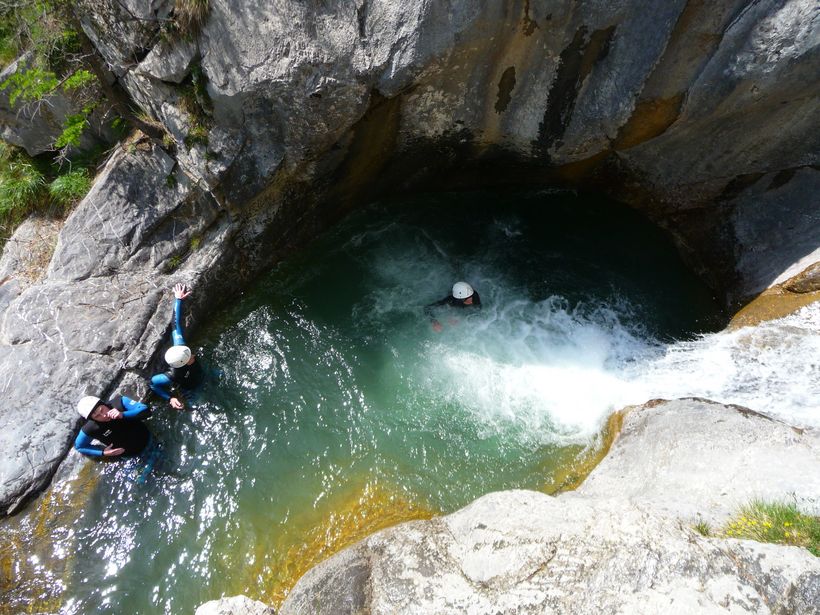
x,y
177,356
462,290
87,404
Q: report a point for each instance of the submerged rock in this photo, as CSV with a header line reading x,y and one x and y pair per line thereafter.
x,y
234,605
622,543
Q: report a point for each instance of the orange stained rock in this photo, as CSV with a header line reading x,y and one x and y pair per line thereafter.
x,y
343,521
573,471
770,305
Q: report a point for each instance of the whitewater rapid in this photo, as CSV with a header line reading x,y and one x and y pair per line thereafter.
x,y
555,373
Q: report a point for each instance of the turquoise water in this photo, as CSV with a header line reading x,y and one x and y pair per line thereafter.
x,y
333,405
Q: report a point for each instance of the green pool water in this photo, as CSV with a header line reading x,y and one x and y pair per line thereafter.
x,y
334,409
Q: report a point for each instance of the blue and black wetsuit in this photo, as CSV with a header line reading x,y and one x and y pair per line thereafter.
x,y
128,432
452,302
187,377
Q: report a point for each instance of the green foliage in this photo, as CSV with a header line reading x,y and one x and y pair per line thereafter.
x,y
703,528
198,135
29,185
68,189
194,100
168,141
22,188
173,262
58,45
38,26
73,128
196,241
777,522
54,63
9,49
30,85
120,128
199,89
78,79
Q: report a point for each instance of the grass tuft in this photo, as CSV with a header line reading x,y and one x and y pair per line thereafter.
x,y
703,528
68,189
22,187
776,522
190,15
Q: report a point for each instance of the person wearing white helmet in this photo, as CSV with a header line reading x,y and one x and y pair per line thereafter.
x,y
112,428
184,372
462,296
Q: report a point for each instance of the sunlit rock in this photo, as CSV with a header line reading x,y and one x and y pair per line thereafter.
x,y
624,542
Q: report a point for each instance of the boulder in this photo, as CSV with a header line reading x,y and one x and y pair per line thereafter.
x,y
622,543
691,459
234,605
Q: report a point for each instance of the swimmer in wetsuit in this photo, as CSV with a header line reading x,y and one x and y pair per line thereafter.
x,y
184,372
113,428
462,296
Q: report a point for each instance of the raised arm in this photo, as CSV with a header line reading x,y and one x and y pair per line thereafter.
x,y
180,292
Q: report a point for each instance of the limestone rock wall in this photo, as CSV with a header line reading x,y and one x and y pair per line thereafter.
x,y
100,311
689,102
284,115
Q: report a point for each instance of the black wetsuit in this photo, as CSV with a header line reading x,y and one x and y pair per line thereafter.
x,y
453,302
128,432
186,378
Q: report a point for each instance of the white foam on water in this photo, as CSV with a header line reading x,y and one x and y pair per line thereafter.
x,y
553,374
548,372
554,371
772,367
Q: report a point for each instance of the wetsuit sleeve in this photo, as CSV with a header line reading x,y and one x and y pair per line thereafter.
x,y
428,309
83,444
176,334
159,383
134,409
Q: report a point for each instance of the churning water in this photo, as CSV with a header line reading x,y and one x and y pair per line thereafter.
x,y
334,409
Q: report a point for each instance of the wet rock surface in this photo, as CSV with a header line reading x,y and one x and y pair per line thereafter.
x,y
99,313
234,605
623,543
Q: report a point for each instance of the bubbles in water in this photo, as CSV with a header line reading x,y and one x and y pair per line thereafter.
x,y
771,368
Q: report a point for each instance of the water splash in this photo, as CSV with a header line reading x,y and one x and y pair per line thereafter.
x,y
772,368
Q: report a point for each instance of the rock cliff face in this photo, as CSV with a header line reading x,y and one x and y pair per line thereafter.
x,y
285,115
622,543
